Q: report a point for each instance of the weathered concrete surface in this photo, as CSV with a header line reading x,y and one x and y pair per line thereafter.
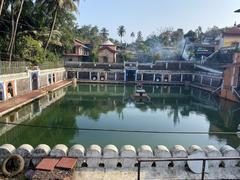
x,y
153,174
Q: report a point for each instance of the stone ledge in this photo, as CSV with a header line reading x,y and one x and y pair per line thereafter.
x,y
126,157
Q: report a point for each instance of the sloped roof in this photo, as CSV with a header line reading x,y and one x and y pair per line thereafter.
x,y
108,43
108,48
80,43
233,31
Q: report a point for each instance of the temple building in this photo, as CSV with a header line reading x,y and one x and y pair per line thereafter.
x,y
107,52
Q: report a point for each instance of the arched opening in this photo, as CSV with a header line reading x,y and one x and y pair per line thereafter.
x,y
105,59
101,165
13,117
1,93
10,90
34,81
84,165
102,76
49,79
166,78
119,165
53,77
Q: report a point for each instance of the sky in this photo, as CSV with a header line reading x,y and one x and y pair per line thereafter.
x,y
151,16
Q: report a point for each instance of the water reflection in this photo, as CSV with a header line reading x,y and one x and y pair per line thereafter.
x,y
172,108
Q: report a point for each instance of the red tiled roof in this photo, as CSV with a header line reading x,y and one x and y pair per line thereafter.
x,y
108,48
80,43
233,31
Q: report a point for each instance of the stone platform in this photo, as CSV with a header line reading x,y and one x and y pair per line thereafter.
x,y
19,101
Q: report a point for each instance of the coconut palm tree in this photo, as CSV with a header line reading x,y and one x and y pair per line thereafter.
x,y
104,33
132,35
121,32
58,5
12,42
1,6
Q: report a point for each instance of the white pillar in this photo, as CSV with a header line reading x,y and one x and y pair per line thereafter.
x,y
90,75
142,77
162,77
169,78
180,66
211,82
154,76
115,76
15,89
106,76
201,79
181,78
125,75
77,74
166,65
98,76
4,91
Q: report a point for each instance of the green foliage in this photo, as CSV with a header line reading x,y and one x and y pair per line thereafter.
x,y
121,32
191,36
31,49
157,56
125,56
50,56
104,34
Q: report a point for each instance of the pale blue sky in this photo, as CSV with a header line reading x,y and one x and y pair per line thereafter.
x,y
151,15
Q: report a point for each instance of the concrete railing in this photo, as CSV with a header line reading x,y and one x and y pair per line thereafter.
x,y
127,157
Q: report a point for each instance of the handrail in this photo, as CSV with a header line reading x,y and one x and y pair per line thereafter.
x,y
216,90
140,160
234,90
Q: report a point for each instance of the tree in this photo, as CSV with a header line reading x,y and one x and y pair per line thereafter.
x,y
191,36
132,35
139,36
57,6
1,6
31,49
12,42
121,32
104,33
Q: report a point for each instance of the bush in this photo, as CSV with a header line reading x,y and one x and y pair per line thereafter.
x,y
31,49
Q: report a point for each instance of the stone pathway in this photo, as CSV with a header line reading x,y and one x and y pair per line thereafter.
x,y
154,174
19,101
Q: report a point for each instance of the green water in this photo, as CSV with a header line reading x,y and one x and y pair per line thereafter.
x,y
171,108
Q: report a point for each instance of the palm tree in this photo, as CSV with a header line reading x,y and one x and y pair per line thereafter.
x,y
139,36
1,6
132,35
15,31
57,6
121,32
104,33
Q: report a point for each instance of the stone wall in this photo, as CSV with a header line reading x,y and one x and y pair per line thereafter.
x,y
110,157
22,83
23,86
43,81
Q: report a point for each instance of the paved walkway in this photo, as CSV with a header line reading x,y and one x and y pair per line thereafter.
x,y
19,101
155,174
